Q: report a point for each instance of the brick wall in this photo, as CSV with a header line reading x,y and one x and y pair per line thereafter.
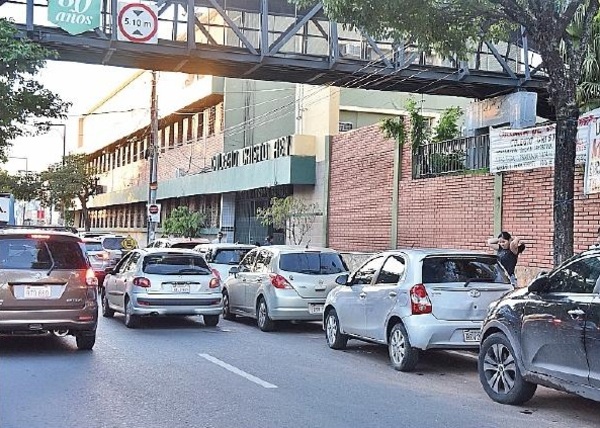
x,y
455,211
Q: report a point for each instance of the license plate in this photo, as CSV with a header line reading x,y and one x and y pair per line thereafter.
x,y
181,289
471,335
315,308
37,292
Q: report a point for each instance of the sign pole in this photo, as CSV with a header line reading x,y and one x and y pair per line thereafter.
x,y
152,185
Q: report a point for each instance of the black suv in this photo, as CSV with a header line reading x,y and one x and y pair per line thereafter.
x,y
47,285
546,334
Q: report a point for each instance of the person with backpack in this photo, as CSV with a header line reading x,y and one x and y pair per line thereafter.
x,y
508,249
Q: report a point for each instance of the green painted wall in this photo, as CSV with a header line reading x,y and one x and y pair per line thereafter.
x,y
270,104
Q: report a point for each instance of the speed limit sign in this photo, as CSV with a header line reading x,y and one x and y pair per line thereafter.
x,y
137,22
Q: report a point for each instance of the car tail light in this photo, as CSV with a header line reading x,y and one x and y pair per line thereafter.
x,y
419,300
280,282
140,281
90,278
216,281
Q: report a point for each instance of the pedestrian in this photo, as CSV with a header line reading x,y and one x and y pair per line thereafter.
x,y
268,240
219,238
508,249
596,245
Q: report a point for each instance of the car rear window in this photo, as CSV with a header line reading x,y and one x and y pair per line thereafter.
x,y
190,245
93,246
463,269
175,264
314,263
41,253
230,256
113,243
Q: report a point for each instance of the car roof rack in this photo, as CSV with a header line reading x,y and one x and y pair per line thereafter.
x,y
44,227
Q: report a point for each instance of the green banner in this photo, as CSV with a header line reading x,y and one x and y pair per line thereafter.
x,y
75,16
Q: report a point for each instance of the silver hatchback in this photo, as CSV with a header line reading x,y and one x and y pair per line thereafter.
x,y
415,299
279,282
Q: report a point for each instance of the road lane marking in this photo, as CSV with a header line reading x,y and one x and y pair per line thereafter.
x,y
237,371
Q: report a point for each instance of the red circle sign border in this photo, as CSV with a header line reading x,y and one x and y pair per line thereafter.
x,y
153,209
129,36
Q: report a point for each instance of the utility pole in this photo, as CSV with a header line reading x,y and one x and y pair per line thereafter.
x,y
153,152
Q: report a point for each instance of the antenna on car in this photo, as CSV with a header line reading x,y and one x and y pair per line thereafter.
x,y
307,244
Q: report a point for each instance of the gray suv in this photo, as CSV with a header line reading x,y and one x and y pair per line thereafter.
x,y
47,285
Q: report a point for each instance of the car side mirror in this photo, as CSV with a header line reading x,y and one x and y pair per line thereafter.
x,y
539,284
234,271
342,279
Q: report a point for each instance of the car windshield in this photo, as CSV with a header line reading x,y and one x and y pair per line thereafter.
x,y
93,246
314,263
41,253
230,256
463,269
113,243
175,264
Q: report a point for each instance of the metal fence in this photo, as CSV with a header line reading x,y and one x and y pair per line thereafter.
x,y
453,156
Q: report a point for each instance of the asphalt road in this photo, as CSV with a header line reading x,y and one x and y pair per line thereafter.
x,y
177,373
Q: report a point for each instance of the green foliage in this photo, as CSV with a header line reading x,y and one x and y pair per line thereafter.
x,y
184,223
394,127
419,127
292,214
23,99
447,128
446,162
24,187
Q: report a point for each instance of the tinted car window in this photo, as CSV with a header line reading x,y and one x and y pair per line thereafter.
x,y
190,245
175,264
112,243
263,262
32,253
365,274
248,261
93,246
230,256
462,269
312,263
581,276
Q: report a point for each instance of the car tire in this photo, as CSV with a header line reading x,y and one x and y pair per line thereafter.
x,y
131,320
226,308
335,338
403,356
210,320
85,341
499,372
265,323
107,312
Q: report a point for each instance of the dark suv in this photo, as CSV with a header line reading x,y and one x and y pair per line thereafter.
x,y
546,334
47,285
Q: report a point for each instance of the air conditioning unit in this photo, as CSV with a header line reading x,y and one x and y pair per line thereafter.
x,y
351,49
180,172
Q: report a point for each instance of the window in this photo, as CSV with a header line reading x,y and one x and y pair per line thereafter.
x,y
93,246
312,263
131,265
248,262
229,256
365,274
392,271
580,276
175,264
462,269
30,253
263,262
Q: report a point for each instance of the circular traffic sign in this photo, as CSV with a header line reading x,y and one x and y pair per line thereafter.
x,y
153,209
128,243
137,22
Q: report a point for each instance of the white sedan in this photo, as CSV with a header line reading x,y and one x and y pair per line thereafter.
x,y
162,281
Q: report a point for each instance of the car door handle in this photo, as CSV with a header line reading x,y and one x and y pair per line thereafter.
x,y
362,295
576,313
259,280
393,294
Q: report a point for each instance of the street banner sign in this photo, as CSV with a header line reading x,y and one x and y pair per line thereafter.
x,y
75,16
137,22
154,213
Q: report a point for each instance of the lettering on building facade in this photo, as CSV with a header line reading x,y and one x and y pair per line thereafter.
x,y
272,149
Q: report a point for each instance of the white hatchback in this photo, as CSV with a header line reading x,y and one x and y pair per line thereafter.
x,y
415,299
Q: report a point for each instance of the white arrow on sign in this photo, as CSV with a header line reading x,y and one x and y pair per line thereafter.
x,y
137,22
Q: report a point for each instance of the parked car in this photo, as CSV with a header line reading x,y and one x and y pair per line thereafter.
x,y
279,282
414,300
47,285
546,334
157,281
178,242
100,259
223,256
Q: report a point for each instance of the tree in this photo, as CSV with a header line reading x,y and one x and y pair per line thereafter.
x,y
588,91
62,184
447,127
183,222
294,215
24,187
23,99
549,25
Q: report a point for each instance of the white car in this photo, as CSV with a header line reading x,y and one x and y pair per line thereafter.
x,y
415,299
162,281
279,282
223,256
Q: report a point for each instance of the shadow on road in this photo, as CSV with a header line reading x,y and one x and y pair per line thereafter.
x,y
37,345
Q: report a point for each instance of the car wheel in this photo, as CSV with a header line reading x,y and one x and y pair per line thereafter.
x,y
262,316
335,338
210,320
131,320
85,341
107,312
403,356
226,308
499,372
